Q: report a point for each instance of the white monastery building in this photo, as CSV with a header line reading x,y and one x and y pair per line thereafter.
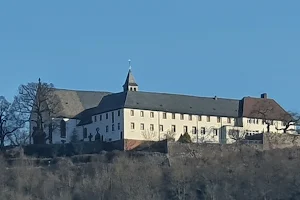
x,y
139,115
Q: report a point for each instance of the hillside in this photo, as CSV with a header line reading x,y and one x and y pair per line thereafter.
x,y
210,172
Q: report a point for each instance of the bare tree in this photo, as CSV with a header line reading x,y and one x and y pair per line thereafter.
x,y
236,135
170,135
263,110
10,120
41,104
289,119
149,135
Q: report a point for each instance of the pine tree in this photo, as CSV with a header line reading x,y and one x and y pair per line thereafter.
x,y
185,138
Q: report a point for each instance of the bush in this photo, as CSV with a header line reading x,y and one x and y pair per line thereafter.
x,y
217,172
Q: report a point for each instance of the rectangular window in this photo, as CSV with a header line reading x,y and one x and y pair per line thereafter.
x,y
173,115
194,129
113,127
95,118
202,130
173,128
151,114
106,129
151,127
199,118
112,117
190,117
228,120
142,113
142,126
119,126
185,129
218,119
132,112
132,125
161,128
106,115
215,131
164,115
119,113
208,118
181,116
100,117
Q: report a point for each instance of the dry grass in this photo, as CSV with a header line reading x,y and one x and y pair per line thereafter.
x,y
219,174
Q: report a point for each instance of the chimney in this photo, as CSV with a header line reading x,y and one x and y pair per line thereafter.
x,y
264,96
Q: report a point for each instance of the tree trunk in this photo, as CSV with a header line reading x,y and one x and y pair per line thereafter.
x,y
2,141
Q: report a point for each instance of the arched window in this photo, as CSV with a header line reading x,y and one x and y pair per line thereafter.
x,y
84,132
63,129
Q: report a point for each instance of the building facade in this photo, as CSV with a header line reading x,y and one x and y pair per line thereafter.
x,y
138,115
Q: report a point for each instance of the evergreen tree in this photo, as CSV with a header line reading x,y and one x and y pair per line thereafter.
x,y
185,138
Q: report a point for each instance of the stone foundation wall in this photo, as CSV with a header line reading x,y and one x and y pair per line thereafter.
x,y
280,141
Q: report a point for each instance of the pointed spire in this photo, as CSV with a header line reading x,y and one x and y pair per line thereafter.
x,y
130,83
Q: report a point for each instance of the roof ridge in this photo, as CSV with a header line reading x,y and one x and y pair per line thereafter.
x,y
73,90
186,95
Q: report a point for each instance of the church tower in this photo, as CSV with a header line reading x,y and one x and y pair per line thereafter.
x,y
130,84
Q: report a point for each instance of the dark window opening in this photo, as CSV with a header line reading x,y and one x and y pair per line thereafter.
x,y
63,129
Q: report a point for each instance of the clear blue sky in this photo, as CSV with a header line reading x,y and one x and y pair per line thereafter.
x,y
226,48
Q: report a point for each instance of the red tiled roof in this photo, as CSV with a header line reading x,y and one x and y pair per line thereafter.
x,y
264,108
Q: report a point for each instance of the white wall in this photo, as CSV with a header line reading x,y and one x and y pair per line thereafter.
x,y
56,134
101,124
158,119
253,126
241,124
244,125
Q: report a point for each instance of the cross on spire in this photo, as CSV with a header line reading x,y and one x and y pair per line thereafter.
x,y
129,62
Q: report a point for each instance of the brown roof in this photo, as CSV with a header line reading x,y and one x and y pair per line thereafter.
x,y
73,102
264,108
